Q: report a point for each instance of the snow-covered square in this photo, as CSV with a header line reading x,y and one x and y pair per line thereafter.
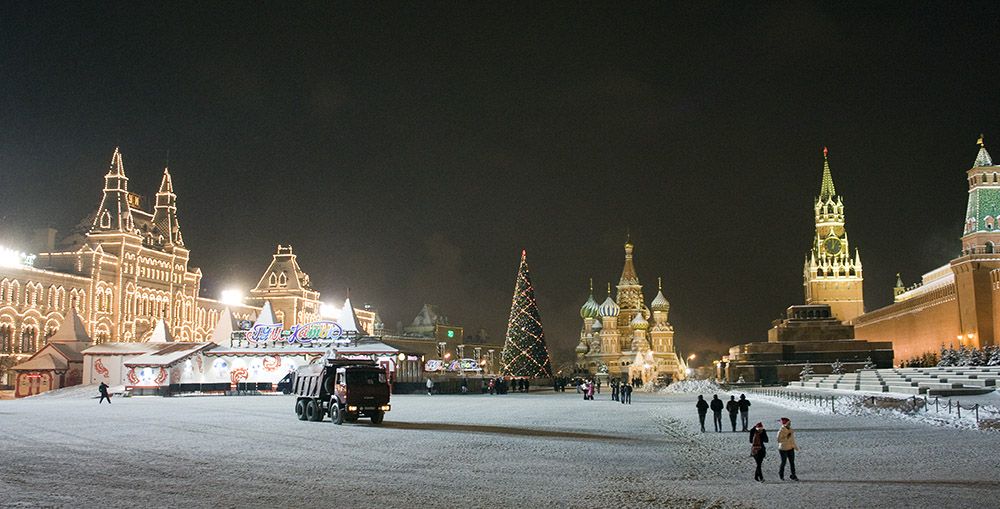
x,y
517,450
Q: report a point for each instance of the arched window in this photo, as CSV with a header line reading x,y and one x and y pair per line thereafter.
x,y
6,338
989,248
273,280
29,338
283,280
990,222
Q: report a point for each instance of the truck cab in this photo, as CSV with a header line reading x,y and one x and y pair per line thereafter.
x,y
346,390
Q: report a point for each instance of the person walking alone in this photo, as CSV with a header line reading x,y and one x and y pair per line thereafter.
x,y
103,389
717,407
626,395
702,407
787,448
614,390
744,404
734,409
430,386
758,437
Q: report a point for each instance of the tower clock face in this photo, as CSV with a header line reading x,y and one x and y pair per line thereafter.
x,y
832,245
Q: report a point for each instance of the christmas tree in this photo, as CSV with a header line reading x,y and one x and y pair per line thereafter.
x,y
524,352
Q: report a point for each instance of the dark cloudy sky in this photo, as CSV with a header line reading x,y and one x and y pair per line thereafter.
x,y
410,151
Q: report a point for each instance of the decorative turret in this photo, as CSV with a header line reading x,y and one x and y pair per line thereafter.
x,y
982,217
900,288
659,302
165,223
114,214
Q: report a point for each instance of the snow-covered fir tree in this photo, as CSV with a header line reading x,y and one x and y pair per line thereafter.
x,y
838,367
807,371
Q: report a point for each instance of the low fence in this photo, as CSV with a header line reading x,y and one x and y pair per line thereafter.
x,y
910,405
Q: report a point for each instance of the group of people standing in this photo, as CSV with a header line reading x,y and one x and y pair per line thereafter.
x,y
758,435
621,391
735,407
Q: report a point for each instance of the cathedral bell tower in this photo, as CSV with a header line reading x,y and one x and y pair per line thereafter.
x,y
831,274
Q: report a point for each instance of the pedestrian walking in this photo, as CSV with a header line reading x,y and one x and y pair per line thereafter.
x,y
734,409
465,386
758,437
787,448
702,407
744,404
103,389
614,390
717,407
430,386
598,386
628,394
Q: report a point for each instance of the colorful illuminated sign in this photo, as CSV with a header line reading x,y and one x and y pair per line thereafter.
x,y
323,331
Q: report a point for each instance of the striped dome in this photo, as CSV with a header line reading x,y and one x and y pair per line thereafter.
x,y
609,308
589,309
660,303
639,322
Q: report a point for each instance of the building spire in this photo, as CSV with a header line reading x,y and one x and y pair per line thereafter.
x,y
827,190
165,212
983,158
114,214
629,277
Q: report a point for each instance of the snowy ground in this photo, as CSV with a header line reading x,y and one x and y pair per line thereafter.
x,y
534,450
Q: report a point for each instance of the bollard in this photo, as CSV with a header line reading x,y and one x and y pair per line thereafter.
x,y
833,408
958,406
977,413
936,408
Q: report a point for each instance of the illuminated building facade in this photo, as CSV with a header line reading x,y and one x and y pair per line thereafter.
x,y
959,302
123,269
831,274
617,337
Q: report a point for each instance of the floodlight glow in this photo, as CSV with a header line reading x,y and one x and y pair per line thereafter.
x,y
11,259
231,297
329,311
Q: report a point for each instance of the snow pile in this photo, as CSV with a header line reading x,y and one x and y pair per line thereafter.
x,y
890,408
692,386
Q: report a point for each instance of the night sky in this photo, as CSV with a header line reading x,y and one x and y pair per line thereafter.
x,y
410,151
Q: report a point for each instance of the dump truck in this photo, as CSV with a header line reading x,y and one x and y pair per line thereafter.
x,y
342,389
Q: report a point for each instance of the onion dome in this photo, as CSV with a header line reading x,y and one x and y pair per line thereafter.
x,y
609,307
660,302
639,322
582,347
589,309
596,326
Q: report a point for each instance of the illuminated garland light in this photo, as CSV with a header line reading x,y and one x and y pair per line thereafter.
x,y
524,351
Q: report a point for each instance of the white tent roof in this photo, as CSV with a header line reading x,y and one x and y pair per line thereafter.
x,y
348,320
224,329
71,330
161,334
266,315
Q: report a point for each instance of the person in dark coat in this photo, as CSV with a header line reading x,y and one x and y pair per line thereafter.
x,y
103,389
702,407
758,437
717,407
734,409
614,390
744,404
628,394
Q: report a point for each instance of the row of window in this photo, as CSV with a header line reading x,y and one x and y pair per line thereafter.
x,y
35,295
833,273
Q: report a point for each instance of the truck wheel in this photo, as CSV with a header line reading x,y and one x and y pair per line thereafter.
x,y
377,417
313,411
336,413
300,409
